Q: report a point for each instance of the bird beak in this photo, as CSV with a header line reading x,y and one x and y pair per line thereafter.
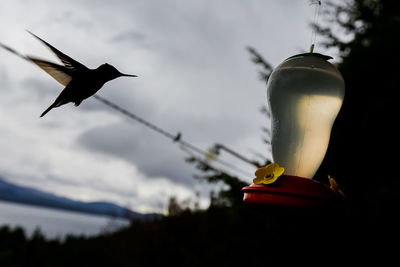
x,y
128,75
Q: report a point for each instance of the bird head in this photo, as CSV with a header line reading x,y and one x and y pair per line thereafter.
x,y
110,72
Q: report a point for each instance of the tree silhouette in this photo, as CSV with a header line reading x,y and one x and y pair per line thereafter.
x,y
361,154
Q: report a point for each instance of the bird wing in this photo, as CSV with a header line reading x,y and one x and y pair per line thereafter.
x,y
58,72
71,64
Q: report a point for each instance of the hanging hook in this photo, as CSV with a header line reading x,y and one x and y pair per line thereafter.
x,y
318,4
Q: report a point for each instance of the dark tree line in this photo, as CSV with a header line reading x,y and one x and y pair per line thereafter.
x,y
362,151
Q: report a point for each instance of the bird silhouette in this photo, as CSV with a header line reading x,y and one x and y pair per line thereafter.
x,y
80,82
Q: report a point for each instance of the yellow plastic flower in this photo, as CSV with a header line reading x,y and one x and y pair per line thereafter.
x,y
334,186
268,174
210,155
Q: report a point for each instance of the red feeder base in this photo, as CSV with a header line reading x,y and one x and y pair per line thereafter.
x,y
291,191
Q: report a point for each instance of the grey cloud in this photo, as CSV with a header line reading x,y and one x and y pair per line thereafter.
x,y
4,80
41,88
129,36
151,153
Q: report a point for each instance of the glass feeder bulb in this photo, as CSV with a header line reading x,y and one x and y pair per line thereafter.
x,y
305,94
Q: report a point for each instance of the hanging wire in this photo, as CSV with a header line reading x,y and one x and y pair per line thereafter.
x,y
317,4
174,137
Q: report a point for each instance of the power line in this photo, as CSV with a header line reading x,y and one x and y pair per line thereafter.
x,y
174,137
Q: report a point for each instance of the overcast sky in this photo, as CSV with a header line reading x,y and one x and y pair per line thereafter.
x,y
195,76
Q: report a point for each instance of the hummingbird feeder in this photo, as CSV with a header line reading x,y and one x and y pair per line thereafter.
x,y
305,94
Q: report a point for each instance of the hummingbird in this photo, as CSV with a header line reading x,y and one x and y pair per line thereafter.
x,y
80,82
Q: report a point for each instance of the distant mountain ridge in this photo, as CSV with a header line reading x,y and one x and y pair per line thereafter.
x,y
27,195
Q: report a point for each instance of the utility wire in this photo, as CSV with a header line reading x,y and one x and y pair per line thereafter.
x,y
176,138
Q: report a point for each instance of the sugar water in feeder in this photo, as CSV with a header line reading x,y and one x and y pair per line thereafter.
x,y
305,94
